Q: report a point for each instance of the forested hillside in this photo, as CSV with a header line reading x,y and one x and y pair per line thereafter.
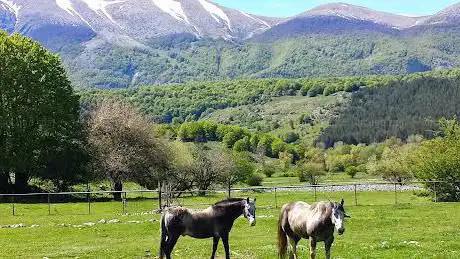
x,y
399,108
376,108
183,58
191,101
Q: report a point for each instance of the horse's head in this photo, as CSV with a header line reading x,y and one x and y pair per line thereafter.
x,y
338,216
250,211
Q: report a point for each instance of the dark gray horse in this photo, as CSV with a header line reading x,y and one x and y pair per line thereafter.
x,y
315,222
215,221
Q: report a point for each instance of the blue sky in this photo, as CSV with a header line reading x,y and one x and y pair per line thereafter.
x,y
292,7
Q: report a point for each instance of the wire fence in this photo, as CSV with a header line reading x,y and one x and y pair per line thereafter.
x,y
146,202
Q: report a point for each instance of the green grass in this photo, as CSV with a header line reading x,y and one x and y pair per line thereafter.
x,y
279,180
377,229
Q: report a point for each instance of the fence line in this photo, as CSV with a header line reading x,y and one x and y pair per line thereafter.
x,y
146,200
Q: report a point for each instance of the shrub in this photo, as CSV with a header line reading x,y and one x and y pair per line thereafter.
x,y
268,171
241,145
290,173
255,179
311,172
351,171
291,137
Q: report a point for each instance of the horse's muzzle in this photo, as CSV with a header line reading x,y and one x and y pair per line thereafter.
x,y
340,231
252,222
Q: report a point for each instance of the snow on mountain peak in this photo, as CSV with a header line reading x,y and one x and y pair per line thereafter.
x,y
172,8
66,5
99,6
13,6
256,19
216,12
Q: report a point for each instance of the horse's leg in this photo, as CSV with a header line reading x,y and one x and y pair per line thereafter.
x,y
226,247
163,243
327,245
293,242
171,242
215,242
312,248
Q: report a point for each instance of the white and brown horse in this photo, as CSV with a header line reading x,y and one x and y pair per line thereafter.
x,y
215,221
315,222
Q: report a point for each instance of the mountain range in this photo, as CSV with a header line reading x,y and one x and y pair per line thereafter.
x,y
124,43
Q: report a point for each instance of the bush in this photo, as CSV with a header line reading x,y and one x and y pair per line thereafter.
x,y
255,180
290,173
351,171
311,172
315,90
268,171
291,137
241,145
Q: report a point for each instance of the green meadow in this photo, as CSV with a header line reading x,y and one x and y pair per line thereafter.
x,y
413,228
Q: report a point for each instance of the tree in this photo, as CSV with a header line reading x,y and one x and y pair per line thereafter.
x,y
208,167
234,168
351,171
123,146
438,160
180,174
40,134
291,137
311,172
242,145
395,165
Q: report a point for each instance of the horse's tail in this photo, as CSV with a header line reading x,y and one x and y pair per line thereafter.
x,y
282,238
163,235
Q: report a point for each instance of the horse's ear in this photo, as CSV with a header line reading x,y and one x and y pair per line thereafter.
x,y
247,199
342,202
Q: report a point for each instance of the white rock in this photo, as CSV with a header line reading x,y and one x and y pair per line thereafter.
x,y
20,225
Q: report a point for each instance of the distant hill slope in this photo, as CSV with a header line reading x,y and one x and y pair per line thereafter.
x,y
328,110
126,43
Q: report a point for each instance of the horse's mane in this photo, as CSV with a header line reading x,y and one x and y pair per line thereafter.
x,y
228,200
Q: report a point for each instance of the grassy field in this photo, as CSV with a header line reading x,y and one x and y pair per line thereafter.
x,y
415,228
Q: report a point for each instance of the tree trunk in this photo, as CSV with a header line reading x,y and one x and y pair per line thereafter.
x,y
229,189
20,181
4,182
117,187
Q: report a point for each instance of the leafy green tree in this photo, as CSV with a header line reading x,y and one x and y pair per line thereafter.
x,y
438,160
310,172
239,168
255,180
40,132
268,171
242,145
351,171
395,164
277,146
291,137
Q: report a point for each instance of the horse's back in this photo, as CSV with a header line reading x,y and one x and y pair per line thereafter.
x,y
184,221
302,218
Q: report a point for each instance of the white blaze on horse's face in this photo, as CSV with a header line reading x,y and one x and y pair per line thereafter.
x,y
338,215
250,211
